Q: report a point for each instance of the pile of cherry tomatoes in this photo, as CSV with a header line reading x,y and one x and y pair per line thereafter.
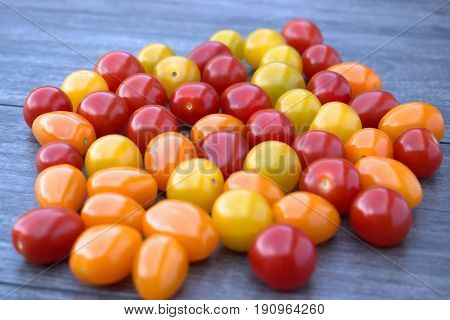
x,y
270,166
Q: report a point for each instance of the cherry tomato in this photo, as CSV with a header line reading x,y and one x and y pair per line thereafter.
x,y
55,153
107,112
276,161
148,122
300,106
79,84
187,223
313,145
336,180
419,150
372,106
223,71
283,257
276,78
112,208
266,125
206,52
131,182
330,86
301,34
43,100
317,58
241,100
116,66
196,180
239,215
192,101
164,153
104,254
61,186
64,126
140,90
391,174
46,235
153,53
381,217
160,267
412,115
232,39
111,151
215,122
285,54
312,214
258,43
368,142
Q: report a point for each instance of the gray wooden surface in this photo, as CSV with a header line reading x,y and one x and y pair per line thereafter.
x,y
415,66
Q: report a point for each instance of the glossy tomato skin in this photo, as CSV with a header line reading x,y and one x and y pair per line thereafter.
x,y
419,150
336,180
55,153
301,34
317,58
206,51
381,217
242,100
232,39
46,235
192,101
223,71
149,121
150,55
258,43
42,100
284,54
372,106
368,142
313,145
329,86
283,257
213,123
107,112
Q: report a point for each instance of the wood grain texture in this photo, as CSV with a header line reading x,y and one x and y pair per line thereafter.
x,y
413,67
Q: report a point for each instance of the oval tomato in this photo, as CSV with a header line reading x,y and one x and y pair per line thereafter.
x,y
301,34
372,106
223,71
232,39
213,123
206,51
153,53
54,153
319,57
258,43
285,54
368,142
329,86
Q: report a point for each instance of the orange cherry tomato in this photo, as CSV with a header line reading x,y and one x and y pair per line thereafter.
x,y
310,213
215,122
61,186
368,142
188,223
66,127
412,115
391,174
132,182
360,77
160,267
164,153
112,208
104,254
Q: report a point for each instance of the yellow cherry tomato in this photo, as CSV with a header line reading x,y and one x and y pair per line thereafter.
x,y
239,215
258,43
79,84
198,181
337,118
276,161
232,39
112,151
215,122
368,142
276,78
153,53
104,254
285,54
174,71
300,106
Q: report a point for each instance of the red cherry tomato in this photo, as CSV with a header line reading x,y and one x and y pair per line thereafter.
x,y
381,216
192,101
140,90
107,112
149,121
336,180
223,71
419,150
329,86
116,66
54,153
46,235
313,145
269,124
43,100
241,100
372,106
206,51
301,34
318,58
283,257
